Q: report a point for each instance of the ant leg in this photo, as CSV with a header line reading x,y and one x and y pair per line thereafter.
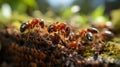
x,y
28,34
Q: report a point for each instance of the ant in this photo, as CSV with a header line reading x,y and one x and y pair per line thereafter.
x,y
59,27
56,27
88,34
78,45
31,24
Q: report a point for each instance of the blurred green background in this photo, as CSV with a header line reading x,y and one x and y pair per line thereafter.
x,y
74,12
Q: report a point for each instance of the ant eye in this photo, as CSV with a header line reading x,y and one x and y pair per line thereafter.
x,y
93,30
41,23
89,36
23,27
51,28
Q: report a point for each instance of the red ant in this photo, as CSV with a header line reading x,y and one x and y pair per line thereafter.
x,y
88,33
56,27
32,24
78,45
59,27
74,36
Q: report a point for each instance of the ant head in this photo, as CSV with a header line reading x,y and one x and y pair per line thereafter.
x,y
51,28
23,27
107,35
93,30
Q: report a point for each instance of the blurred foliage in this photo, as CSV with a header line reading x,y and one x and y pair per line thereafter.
x,y
98,14
85,6
116,20
24,10
19,10
20,4
78,18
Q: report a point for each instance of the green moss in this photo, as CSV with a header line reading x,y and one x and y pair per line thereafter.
x,y
112,50
88,51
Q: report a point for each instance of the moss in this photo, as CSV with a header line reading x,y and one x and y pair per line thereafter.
x,y
112,50
88,51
